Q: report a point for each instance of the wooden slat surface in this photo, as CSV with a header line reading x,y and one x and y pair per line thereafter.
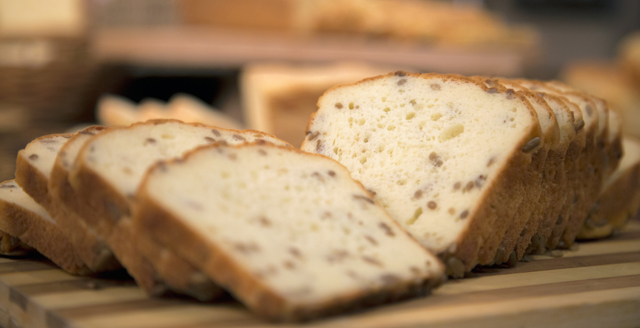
x,y
214,48
597,285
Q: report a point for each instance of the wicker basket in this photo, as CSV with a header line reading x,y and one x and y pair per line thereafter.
x,y
48,77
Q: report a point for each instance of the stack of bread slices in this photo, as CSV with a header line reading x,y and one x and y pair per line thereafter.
x,y
393,170
480,171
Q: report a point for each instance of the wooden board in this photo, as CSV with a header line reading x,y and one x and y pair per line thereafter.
x,y
217,48
597,285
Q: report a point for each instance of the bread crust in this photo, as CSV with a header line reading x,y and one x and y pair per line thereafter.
x,y
109,213
167,227
41,234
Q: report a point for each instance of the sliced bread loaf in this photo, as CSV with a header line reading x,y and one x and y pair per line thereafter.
x,y
290,234
155,274
139,267
33,173
553,180
105,176
443,154
578,160
620,196
23,218
530,209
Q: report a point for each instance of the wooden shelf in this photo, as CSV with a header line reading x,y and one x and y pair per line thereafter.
x,y
596,286
197,47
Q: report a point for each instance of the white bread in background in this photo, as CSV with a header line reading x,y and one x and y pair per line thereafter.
x,y
108,170
190,109
121,112
620,197
442,153
34,166
23,218
279,98
288,233
113,110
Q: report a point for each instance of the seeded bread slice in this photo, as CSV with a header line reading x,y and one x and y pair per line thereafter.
x,y
290,234
106,174
443,154
23,218
530,210
33,173
598,162
554,182
578,161
155,274
620,197
140,266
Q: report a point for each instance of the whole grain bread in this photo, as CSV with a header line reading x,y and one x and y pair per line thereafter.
x,y
443,154
34,167
23,218
288,233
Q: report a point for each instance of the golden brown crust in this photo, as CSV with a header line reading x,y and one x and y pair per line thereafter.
x,y
41,234
165,225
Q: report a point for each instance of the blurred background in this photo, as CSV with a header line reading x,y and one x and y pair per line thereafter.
x,y
262,64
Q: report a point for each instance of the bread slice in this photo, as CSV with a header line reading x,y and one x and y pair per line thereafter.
x,y
443,154
33,173
598,163
290,234
553,181
156,270
23,218
105,176
12,246
579,161
530,209
147,269
620,196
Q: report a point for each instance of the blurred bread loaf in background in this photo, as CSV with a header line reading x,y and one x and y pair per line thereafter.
x,y
114,110
279,98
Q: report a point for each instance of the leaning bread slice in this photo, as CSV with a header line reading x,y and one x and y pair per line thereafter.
x,y
530,210
582,160
620,197
33,173
443,154
156,269
146,268
105,176
290,234
23,218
